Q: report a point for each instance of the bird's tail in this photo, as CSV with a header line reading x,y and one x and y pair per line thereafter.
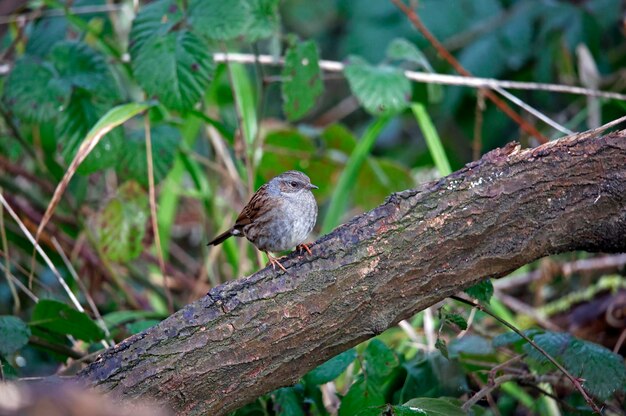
x,y
220,238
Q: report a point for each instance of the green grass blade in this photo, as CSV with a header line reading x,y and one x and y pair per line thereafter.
x,y
341,194
113,118
170,188
245,100
432,139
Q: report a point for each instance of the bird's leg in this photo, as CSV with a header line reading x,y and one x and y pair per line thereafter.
x,y
302,247
274,261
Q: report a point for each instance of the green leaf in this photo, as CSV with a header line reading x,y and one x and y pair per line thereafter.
x,y
332,368
302,79
113,319
361,395
380,359
59,318
218,19
175,68
101,154
454,319
133,162
381,177
375,411
442,406
265,19
286,402
140,326
81,113
407,411
381,90
14,334
481,291
345,185
256,408
44,33
442,347
509,338
34,92
433,375
121,225
603,371
471,345
338,137
154,20
80,66
7,369
402,49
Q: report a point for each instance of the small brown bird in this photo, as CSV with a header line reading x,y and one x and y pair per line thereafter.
x,y
280,215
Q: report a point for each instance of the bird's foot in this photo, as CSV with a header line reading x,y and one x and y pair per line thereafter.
x,y
274,261
302,247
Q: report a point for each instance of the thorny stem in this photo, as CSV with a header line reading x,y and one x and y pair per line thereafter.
x,y
491,386
443,52
543,352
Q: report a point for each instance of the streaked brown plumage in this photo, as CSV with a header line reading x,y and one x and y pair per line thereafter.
x,y
279,216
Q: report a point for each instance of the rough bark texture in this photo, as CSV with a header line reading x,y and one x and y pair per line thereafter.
x,y
253,335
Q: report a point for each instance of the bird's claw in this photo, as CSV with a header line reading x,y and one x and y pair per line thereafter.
x,y
302,247
274,261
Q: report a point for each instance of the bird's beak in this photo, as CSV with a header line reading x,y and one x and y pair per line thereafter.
x,y
311,186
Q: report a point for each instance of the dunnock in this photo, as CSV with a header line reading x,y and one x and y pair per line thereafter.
x,y
280,215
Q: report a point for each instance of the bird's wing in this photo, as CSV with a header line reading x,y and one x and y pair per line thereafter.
x,y
254,205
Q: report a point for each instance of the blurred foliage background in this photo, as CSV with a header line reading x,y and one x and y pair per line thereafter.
x,y
107,72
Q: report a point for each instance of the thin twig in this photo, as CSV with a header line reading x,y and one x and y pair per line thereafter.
x,y
431,78
341,110
81,285
15,132
5,248
478,125
551,395
494,371
36,14
620,341
603,264
153,214
16,281
448,57
487,389
525,309
59,348
533,111
17,169
567,374
470,320
42,253
115,278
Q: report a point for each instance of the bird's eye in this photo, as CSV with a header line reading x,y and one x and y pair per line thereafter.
x,y
294,184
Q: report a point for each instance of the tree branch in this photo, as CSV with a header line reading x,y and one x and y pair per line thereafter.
x,y
256,334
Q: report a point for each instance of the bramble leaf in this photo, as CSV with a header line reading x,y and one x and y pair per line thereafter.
x,y
218,19
121,225
34,92
381,90
59,318
175,68
14,334
302,79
